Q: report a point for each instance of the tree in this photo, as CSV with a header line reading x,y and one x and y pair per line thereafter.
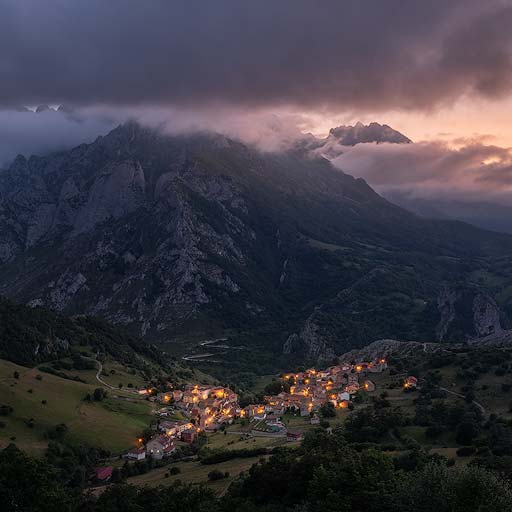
x,y
327,410
438,488
99,394
467,432
30,485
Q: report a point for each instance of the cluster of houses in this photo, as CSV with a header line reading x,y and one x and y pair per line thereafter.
x,y
207,408
311,389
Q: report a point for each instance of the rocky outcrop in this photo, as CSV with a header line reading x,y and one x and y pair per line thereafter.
x,y
374,132
466,313
310,341
385,348
486,315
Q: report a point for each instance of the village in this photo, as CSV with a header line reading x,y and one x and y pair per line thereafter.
x,y
210,408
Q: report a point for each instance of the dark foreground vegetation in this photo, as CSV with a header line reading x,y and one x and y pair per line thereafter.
x,y
326,473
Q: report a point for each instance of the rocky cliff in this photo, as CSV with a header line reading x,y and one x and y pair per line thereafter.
x,y
200,234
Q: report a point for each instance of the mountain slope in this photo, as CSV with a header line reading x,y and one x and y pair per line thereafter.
x,y
200,233
31,336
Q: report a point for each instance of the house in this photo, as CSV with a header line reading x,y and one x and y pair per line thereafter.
x,y
137,453
352,388
343,396
168,450
164,398
256,411
369,386
159,447
189,435
294,436
174,428
315,420
410,382
305,408
103,474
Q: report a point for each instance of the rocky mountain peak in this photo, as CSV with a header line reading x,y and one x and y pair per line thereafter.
x,y
360,133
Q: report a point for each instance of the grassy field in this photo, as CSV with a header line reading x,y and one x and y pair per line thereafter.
x,y
111,424
115,374
234,441
196,473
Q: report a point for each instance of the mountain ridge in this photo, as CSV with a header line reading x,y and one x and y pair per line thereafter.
x,y
200,233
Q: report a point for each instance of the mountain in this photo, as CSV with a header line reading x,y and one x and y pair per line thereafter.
x,y
484,214
200,234
30,336
342,137
360,133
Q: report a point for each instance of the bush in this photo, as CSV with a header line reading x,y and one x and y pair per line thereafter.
x,y
466,451
175,470
99,394
217,475
5,410
327,410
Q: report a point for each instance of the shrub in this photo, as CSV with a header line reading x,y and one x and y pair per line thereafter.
x,y
466,451
217,475
5,410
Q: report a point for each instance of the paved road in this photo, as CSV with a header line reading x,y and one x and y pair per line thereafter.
x,y
106,384
460,395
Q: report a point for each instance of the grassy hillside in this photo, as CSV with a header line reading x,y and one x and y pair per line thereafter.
x,y
112,424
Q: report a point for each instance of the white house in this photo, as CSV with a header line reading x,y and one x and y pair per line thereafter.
x,y
137,453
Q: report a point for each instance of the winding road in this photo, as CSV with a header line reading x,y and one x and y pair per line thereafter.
x,y
460,395
106,384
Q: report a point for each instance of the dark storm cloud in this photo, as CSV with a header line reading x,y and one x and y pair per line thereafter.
x,y
29,133
346,54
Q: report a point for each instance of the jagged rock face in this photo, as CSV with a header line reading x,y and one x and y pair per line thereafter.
x,y
465,314
374,132
132,244
310,341
171,234
341,137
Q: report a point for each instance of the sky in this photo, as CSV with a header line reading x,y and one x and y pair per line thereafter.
x,y
439,71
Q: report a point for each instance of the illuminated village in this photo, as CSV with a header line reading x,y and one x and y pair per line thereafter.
x,y
209,408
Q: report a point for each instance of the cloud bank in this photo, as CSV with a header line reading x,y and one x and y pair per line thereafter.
x,y
468,170
337,54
